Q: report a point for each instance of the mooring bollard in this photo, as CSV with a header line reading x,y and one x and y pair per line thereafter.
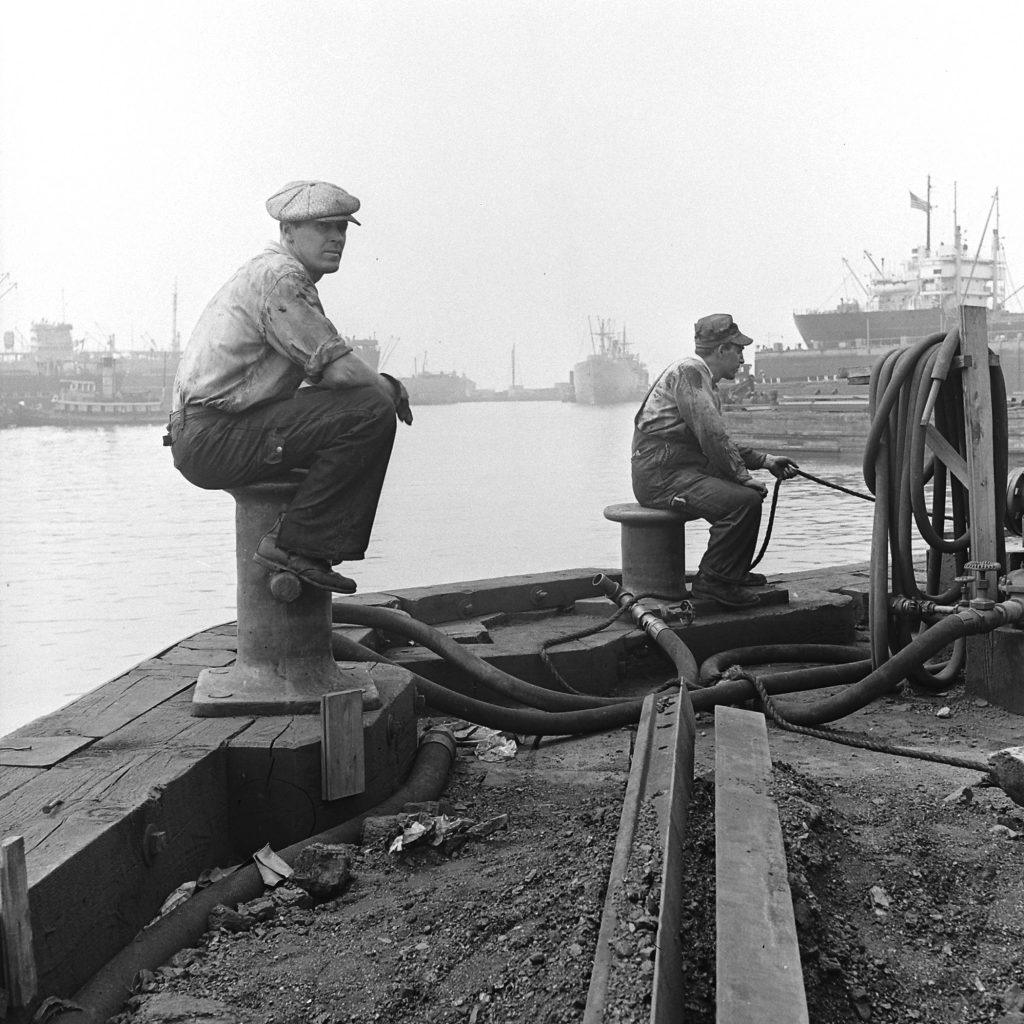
x,y
653,549
284,664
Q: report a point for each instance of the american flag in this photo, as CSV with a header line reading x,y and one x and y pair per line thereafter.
x,y
917,203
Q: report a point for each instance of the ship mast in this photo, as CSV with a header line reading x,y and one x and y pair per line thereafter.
x,y
175,343
998,286
958,294
928,217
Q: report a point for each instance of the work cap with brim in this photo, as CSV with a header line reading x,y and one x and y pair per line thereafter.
x,y
312,200
718,329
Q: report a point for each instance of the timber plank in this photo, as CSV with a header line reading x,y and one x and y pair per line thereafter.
x,y
131,830
210,641
114,704
473,598
19,964
759,976
172,724
214,658
40,751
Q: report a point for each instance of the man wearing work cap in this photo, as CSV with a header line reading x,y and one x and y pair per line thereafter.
x,y
266,384
684,459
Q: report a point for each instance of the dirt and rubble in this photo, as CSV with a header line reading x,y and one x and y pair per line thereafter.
x,y
907,880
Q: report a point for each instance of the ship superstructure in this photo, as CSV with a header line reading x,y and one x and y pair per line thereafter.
x,y
612,373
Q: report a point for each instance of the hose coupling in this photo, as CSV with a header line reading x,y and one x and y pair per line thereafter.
x,y
922,608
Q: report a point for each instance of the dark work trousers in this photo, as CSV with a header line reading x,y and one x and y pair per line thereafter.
x,y
343,437
663,470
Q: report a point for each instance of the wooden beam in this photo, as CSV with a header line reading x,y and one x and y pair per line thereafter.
x,y
980,451
955,462
342,759
759,976
19,964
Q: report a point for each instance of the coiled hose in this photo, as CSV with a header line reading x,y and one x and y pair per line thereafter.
x,y
908,387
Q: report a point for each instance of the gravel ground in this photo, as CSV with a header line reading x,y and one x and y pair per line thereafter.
x,y
907,880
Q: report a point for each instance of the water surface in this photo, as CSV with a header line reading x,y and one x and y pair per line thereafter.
x,y
107,555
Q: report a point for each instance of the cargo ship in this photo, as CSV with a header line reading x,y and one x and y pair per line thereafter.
x,y
900,307
612,373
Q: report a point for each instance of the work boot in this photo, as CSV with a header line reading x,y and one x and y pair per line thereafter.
x,y
728,594
753,579
317,572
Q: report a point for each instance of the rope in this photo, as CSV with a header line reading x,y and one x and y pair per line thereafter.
x,y
850,739
775,502
771,523
828,483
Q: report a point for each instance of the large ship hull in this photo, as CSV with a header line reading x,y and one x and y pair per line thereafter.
x,y
602,380
888,328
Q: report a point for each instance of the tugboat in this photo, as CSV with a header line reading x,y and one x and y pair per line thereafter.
x,y
97,399
611,373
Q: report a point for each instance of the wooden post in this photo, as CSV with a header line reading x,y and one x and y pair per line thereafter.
x,y
19,965
979,671
342,764
980,451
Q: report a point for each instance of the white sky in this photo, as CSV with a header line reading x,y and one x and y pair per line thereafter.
x,y
522,165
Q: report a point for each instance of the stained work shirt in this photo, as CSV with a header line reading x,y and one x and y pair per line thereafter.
x,y
684,408
261,336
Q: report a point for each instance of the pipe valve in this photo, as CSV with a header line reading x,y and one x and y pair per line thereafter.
x,y
982,601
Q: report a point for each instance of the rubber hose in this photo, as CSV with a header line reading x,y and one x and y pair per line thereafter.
x,y
681,655
105,994
713,666
525,721
484,673
739,691
884,679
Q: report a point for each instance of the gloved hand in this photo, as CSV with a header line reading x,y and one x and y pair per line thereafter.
x,y
402,408
780,466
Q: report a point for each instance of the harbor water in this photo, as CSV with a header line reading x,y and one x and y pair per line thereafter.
x,y
108,556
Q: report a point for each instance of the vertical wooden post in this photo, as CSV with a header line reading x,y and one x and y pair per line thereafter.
x,y
19,965
980,451
342,760
978,671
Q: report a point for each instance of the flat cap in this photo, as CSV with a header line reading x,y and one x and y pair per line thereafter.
x,y
312,200
717,329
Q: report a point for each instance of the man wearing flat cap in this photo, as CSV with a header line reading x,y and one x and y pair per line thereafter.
x,y
266,385
683,459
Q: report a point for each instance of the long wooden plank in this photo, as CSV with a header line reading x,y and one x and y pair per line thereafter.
x,y
759,979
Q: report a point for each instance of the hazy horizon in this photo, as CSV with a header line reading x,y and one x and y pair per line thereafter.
x,y
522,167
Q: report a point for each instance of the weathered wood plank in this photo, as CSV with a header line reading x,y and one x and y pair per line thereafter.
x,y
342,763
40,751
114,704
138,827
473,598
19,964
759,977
